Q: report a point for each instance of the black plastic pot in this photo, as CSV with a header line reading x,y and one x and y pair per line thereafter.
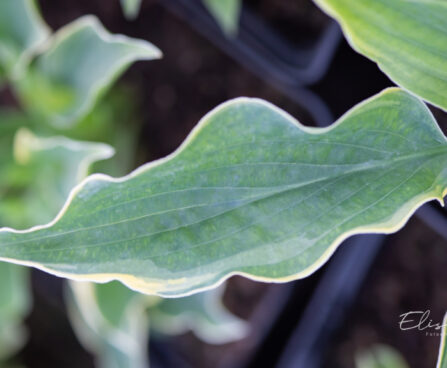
x,y
289,68
261,49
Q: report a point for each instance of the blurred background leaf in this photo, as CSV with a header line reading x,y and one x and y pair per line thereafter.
x,y
111,322
65,81
202,313
22,31
36,181
226,13
380,356
131,8
15,303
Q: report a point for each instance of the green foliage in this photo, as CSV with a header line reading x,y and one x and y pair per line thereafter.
x,y
250,191
202,313
38,173
226,13
131,8
380,356
50,168
83,59
407,39
442,358
22,32
111,321
36,180
14,305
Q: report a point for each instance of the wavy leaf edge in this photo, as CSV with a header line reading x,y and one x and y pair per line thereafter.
x,y
29,53
363,48
148,51
152,286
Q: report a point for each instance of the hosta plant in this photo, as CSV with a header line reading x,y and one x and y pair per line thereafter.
x,y
251,191
225,12
60,79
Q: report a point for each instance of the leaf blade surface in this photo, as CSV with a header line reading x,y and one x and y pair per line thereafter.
x,y
252,192
406,38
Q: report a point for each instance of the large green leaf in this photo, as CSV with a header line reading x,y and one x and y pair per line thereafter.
x,y
442,358
226,13
407,39
202,313
83,59
251,192
22,31
111,321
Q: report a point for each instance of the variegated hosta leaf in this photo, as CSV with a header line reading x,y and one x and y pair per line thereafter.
x,y
44,172
251,192
111,321
407,38
380,356
202,313
131,8
31,191
226,13
82,60
22,31
442,358
14,305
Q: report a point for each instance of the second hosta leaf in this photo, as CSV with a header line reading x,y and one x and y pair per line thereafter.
x,y
407,39
251,192
82,60
22,31
226,13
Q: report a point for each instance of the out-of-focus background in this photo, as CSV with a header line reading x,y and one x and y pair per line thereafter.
x,y
291,54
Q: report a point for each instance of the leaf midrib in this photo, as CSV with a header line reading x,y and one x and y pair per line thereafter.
x,y
426,153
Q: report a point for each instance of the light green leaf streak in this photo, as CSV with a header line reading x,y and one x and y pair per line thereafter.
x,y
252,192
131,8
81,62
111,321
22,31
202,313
226,13
407,39
380,356
442,358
